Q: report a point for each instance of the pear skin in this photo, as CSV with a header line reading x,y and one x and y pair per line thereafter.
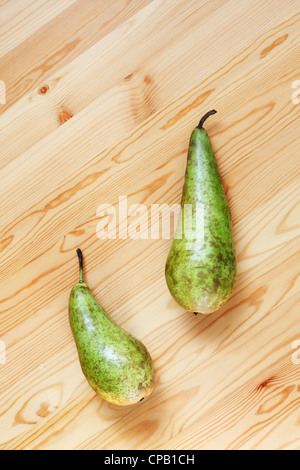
x,y
117,365
201,276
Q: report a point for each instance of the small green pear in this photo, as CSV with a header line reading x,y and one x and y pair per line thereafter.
x,y
116,365
201,266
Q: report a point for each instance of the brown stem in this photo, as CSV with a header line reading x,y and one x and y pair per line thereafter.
x,y
203,119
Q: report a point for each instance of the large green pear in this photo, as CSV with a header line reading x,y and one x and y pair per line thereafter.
x,y
201,266
116,365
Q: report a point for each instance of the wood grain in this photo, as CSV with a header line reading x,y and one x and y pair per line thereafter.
x,y
101,100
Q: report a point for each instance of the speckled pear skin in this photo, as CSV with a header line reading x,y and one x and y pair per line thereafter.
x,y
201,280
116,365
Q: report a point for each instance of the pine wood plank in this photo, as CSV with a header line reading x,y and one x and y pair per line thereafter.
x,y
80,82
253,418
80,145
20,19
59,41
199,341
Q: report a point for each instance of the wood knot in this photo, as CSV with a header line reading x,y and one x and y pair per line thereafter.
x,y
43,89
265,383
64,116
148,79
129,77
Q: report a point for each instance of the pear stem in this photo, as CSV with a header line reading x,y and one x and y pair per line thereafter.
x,y
80,257
203,119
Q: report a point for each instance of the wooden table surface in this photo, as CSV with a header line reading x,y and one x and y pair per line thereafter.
x,y
101,98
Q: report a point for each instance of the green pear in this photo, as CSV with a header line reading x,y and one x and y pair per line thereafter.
x,y
201,266
116,365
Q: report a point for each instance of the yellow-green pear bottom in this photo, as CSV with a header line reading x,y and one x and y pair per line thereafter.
x,y
117,366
